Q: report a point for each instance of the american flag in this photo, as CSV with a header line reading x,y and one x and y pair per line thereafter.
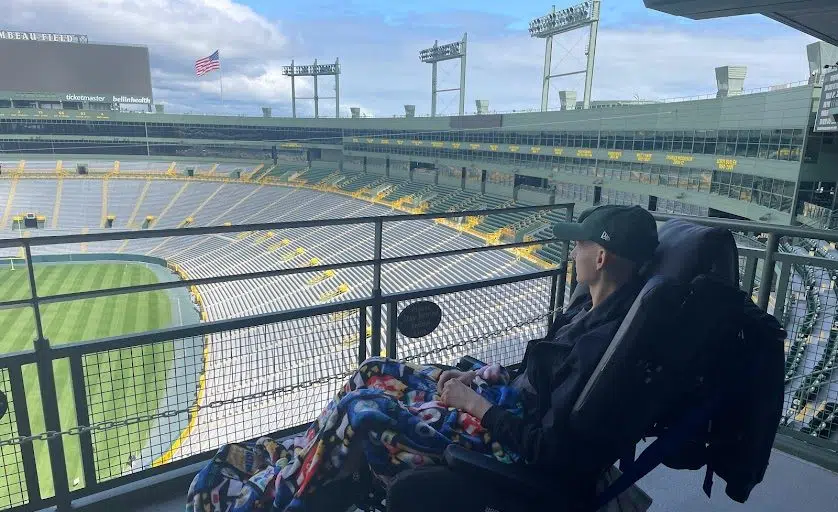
x,y
207,64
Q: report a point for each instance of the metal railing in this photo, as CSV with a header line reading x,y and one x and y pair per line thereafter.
x,y
196,387
184,389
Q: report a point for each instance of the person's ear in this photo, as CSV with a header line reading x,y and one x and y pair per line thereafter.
x,y
601,258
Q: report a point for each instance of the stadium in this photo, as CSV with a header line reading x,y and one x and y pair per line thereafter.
x,y
173,283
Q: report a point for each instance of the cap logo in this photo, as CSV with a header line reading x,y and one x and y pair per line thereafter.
x,y
605,236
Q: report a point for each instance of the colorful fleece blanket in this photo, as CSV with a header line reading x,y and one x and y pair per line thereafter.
x,y
390,408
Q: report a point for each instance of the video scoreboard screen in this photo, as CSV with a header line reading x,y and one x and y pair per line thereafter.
x,y
74,70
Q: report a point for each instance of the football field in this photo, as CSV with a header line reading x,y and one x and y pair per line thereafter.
x,y
120,384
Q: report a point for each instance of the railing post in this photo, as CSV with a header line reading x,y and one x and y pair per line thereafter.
x,y
362,335
554,289
24,429
562,283
83,418
782,287
392,317
767,278
49,398
749,274
375,339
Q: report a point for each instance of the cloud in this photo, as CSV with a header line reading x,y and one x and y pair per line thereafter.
x,y
659,58
178,32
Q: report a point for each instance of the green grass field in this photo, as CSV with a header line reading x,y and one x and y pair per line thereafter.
x,y
122,383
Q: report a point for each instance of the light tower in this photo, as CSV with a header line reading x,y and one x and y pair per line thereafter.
x,y
436,54
559,22
314,70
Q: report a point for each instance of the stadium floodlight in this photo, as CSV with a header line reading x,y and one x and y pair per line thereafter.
x,y
314,70
439,53
565,20
585,14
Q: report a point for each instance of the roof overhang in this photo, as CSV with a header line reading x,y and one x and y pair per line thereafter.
x,y
818,18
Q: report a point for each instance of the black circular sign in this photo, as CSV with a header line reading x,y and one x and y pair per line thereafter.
x,y
4,404
419,319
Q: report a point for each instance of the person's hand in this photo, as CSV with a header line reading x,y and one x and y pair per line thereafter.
x,y
465,377
491,373
459,396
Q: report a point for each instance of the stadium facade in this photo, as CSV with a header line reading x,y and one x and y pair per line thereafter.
x,y
742,155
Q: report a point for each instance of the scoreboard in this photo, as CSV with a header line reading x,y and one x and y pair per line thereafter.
x,y
72,69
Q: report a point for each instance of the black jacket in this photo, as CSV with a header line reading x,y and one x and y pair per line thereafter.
x,y
558,368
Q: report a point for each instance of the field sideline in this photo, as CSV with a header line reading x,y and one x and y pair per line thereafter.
x,y
121,383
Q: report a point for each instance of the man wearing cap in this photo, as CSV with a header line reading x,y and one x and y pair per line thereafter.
x,y
407,414
612,244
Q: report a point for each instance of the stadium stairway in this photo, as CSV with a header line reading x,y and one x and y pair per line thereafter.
x,y
284,170
162,215
495,223
138,205
190,208
450,200
9,192
104,193
409,193
362,182
56,208
315,174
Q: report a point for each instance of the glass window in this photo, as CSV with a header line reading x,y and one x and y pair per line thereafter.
x,y
677,141
710,142
764,144
742,148
668,138
637,142
688,140
657,141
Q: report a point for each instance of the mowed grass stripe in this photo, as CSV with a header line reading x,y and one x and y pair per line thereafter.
x,y
15,283
98,311
55,315
133,378
104,372
144,366
18,328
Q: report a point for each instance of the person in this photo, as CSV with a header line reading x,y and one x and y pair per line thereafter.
x,y
612,244
404,415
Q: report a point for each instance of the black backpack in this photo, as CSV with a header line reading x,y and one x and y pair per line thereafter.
x,y
743,402
728,418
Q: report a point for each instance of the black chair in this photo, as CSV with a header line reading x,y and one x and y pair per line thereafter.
x,y
647,374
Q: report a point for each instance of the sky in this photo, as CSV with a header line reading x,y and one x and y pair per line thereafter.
x,y
640,54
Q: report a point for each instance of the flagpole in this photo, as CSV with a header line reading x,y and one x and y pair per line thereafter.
x,y
220,80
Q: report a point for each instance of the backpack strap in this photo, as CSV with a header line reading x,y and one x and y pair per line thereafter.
x,y
708,477
666,444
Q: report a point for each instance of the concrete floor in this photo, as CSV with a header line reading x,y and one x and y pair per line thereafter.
x,y
790,484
